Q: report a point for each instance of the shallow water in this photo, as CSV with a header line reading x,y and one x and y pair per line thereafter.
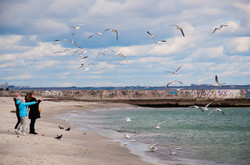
x,y
202,139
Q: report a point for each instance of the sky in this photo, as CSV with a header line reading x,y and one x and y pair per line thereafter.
x,y
30,56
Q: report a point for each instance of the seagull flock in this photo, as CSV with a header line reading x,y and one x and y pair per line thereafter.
x,y
81,53
203,109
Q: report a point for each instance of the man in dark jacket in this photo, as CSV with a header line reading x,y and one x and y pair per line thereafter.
x,y
34,112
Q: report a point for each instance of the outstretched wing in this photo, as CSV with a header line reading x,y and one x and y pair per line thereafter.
x,y
182,32
178,68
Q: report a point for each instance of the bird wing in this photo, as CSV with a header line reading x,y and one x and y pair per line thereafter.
x,y
212,111
169,84
216,79
208,104
223,113
149,33
201,109
170,72
214,30
116,34
182,32
91,36
178,68
106,29
178,82
193,106
73,34
114,30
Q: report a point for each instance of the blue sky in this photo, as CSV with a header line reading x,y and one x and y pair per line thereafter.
x,y
28,29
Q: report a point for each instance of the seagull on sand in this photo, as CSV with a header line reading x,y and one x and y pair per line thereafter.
x,y
181,30
60,127
153,148
150,35
176,71
203,109
217,81
68,129
173,151
59,137
157,126
218,28
217,109
113,30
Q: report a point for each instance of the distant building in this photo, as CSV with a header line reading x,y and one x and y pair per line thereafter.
x,y
5,86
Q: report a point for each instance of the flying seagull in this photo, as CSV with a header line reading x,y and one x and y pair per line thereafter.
x,y
62,51
72,41
77,27
217,81
113,30
68,129
218,28
173,151
157,126
179,28
122,55
159,42
153,148
97,33
85,66
203,109
150,35
59,137
217,109
175,72
173,83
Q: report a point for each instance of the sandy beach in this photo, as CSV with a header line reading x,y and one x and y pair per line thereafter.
x,y
75,147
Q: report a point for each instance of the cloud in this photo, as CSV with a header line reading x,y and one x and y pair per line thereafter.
x,y
240,44
28,30
20,77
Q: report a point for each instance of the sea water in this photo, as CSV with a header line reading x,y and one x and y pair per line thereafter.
x,y
200,138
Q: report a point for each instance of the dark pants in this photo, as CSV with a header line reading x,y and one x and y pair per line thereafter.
x,y
18,121
32,125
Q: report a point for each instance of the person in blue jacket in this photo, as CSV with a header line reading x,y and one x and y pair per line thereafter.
x,y
23,113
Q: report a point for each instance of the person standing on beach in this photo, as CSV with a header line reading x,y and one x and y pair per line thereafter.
x,y
16,95
23,112
34,112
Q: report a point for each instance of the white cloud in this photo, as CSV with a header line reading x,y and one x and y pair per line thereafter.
x,y
240,45
17,77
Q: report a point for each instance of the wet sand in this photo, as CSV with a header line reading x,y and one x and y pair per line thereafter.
x,y
75,147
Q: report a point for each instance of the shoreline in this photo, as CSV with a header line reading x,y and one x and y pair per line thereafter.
x,y
75,147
